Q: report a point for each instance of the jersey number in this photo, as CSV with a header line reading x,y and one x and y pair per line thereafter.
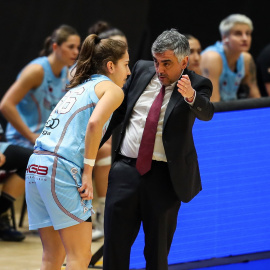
x,y
67,102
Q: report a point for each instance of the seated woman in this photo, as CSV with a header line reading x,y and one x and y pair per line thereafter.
x,y
13,163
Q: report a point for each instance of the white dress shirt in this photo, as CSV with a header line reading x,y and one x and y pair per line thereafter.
x,y
133,136
134,130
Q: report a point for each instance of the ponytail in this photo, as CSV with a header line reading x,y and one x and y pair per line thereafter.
x,y
94,56
47,49
84,63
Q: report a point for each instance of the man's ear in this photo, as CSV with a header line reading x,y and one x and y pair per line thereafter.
x,y
184,62
110,67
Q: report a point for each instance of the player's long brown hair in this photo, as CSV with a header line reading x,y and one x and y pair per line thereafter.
x,y
94,56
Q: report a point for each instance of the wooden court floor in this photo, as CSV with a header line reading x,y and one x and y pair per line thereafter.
x,y
26,255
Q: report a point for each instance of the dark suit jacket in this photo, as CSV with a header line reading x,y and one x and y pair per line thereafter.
x,y
177,126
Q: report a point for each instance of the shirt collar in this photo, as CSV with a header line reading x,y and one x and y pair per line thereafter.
x,y
169,87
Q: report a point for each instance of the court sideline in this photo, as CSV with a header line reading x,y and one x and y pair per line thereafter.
x,y
26,255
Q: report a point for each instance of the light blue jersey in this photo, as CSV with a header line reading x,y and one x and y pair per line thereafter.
x,y
64,132
38,103
54,171
229,81
3,144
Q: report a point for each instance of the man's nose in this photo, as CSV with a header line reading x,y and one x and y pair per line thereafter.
x,y
159,69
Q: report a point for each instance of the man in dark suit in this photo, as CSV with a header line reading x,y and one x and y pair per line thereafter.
x,y
152,194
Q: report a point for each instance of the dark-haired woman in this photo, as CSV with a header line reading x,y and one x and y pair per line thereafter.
x,y
59,189
194,59
40,85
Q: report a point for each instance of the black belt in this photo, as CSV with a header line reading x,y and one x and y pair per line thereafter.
x,y
128,160
132,161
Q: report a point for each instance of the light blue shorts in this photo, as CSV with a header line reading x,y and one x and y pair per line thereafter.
x,y
52,197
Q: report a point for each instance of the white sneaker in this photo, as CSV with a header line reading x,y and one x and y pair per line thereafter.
x,y
98,229
97,234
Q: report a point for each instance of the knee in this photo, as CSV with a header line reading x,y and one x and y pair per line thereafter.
x,y
81,258
52,258
86,258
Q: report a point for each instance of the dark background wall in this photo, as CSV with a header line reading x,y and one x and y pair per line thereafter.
x,y
25,24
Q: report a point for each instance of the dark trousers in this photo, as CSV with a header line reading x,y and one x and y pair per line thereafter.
x,y
132,199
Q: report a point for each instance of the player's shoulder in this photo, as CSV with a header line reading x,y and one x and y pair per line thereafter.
x,y
247,56
198,79
212,56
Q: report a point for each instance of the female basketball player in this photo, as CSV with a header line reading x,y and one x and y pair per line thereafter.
x,y
38,88
59,175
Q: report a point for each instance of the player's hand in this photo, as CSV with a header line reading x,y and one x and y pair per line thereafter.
x,y
86,190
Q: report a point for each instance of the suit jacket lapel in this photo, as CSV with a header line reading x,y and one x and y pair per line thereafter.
x,y
175,97
141,84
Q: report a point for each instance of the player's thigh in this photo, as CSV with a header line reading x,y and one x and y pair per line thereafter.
x,y
77,239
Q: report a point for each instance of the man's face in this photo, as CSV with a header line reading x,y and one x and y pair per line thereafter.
x,y
167,67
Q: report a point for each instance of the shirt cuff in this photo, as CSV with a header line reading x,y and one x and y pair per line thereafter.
x,y
191,103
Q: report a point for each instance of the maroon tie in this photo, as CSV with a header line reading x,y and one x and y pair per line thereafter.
x,y
144,160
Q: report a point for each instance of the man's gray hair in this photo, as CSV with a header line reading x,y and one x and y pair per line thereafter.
x,y
229,22
174,41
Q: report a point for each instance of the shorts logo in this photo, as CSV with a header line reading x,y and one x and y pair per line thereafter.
x,y
74,171
52,123
37,169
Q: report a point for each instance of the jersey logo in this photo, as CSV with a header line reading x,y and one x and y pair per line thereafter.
x,y
52,123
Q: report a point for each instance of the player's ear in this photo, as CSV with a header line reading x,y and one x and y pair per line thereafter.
x,y
110,67
54,46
